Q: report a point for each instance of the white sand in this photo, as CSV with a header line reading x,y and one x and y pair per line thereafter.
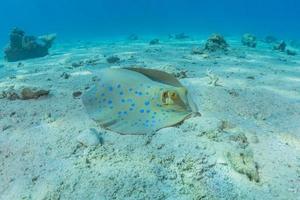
x,y
249,125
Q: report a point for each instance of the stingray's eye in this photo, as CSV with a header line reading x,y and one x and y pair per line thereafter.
x,y
173,95
165,95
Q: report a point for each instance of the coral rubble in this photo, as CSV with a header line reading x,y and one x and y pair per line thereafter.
x,y
23,47
24,93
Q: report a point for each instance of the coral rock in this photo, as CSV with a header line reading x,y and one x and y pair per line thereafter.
x,y
216,42
23,47
249,40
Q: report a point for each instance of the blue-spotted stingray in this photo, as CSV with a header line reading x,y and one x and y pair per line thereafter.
x,y
138,100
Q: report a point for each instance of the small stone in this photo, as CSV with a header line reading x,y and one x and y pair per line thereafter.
x,y
291,52
113,59
77,94
89,137
6,127
65,75
251,77
77,64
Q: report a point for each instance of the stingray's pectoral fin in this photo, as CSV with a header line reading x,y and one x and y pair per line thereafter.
x,y
108,123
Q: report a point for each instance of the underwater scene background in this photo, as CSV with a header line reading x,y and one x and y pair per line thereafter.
x,y
92,18
157,99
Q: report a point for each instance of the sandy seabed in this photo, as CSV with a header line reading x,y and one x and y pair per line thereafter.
x,y
246,144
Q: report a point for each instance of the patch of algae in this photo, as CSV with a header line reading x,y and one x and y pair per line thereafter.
x,y
243,162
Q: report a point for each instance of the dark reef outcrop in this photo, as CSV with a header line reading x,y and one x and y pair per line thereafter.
x,y
280,46
249,40
22,46
270,39
133,37
181,36
154,41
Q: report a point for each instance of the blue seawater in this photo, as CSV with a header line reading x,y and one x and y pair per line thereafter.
x,y
111,18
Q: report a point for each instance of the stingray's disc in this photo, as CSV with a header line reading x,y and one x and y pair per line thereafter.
x,y
130,102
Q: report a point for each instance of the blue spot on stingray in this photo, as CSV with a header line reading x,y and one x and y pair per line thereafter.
x,y
130,89
131,109
155,113
129,100
153,117
123,100
148,111
133,104
104,99
118,86
148,86
142,111
110,89
119,112
121,93
147,103
147,121
102,94
125,113
111,107
140,93
110,102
